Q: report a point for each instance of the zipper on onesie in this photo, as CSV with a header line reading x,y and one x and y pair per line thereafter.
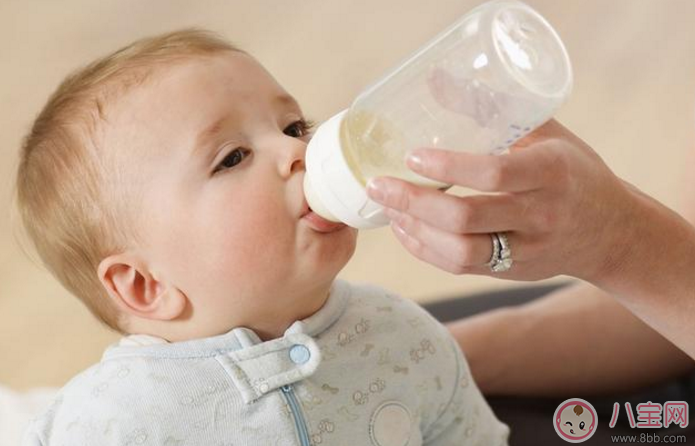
x,y
296,409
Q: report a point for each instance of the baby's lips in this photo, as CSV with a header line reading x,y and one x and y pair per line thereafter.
x,y
321,224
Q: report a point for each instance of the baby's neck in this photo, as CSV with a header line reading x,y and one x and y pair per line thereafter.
x,y
271,325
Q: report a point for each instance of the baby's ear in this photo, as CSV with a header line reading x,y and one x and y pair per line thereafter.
x,y
136,290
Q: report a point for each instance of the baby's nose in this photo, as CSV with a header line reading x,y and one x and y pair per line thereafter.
x,y
293,160
297,165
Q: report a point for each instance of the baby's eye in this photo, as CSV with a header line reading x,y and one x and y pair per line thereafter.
x,y
567,422
299,128
581,425
232,159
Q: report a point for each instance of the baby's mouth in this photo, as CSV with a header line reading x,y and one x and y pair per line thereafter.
x,y
572,432
318,223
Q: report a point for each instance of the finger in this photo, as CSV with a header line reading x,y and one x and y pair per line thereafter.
x,y
518,271
473,214
518,171
457,249
422,252
460,249
427,254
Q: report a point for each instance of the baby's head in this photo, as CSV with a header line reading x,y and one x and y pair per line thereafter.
x,y
162,185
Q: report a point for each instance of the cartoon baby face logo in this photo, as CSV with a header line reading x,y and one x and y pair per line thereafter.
x,y
575,420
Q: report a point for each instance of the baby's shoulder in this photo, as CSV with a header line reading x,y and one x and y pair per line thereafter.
x,y
96,384
114,392
386,314
397,341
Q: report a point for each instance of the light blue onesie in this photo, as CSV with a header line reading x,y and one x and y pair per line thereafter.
x,y
369,368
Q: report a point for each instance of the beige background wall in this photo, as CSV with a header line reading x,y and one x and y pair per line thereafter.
x,y
634,101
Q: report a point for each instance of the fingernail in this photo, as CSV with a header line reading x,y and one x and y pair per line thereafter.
x,y
398,229
415,162
375,190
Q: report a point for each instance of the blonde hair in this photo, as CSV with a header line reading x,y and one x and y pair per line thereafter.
x,y
70,194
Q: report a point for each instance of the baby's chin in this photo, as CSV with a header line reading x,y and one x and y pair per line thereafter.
x,y
336,250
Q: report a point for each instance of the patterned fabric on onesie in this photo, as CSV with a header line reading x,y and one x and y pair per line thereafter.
x,y
369,368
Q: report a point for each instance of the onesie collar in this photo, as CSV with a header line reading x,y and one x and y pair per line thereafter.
x,y
256,367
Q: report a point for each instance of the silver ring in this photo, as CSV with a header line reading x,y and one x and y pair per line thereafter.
x,y
501,259
496,247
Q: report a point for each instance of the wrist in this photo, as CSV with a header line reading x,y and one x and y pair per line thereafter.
x,y
616,244
653,249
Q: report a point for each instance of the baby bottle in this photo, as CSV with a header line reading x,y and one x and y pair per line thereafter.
x,y
496,74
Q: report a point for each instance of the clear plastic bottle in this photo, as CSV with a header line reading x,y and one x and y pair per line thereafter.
x,y
495,75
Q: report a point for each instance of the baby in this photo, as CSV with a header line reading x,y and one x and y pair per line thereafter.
x,y
162,185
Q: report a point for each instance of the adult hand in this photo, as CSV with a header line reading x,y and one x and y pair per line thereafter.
x,y
563,209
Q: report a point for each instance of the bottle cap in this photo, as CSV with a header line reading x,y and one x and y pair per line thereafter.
x,y
330,187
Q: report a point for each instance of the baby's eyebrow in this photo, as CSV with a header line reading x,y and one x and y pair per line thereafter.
x,y
207,134
286,99
210,131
